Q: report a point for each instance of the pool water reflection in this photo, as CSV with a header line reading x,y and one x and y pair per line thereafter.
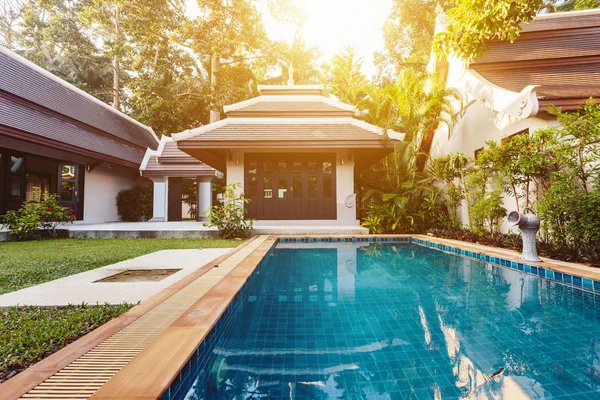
x,y
398,321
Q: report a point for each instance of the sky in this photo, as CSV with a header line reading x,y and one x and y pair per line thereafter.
x,y
333,24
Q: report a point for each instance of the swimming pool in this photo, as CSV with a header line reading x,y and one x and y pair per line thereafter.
x,y
397,320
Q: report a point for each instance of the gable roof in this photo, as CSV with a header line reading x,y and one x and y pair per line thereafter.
x,y
168,160
292,117
290,101
560,52
43,96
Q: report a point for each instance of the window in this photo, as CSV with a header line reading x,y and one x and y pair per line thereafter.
x,y
476,153
15,181
37,187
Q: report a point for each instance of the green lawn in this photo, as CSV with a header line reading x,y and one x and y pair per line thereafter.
x,y
24,264
28,334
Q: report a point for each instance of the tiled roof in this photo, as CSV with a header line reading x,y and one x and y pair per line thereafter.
x,y
283,106
273,131
29,82
168,160
560,52
21,117
297,102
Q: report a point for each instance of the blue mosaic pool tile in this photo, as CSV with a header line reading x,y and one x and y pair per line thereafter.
x,y
527,268
549,274
520,266
597,286
577,281
513,264
542,272
558,276
534,270
567,279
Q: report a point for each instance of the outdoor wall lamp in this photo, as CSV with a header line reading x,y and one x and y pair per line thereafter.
x,y
237,161
342,161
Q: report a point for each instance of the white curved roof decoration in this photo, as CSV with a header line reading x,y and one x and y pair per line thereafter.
x,y
522,104
154,153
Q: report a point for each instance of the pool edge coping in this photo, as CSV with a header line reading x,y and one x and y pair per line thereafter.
x,y
180,340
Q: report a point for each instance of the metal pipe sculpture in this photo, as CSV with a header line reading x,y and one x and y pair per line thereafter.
x,y
528,224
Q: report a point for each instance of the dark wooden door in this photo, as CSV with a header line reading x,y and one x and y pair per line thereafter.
x,y
286,186
175,199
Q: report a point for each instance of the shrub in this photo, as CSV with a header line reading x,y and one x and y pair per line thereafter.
x,y
47,215
229,217
135,204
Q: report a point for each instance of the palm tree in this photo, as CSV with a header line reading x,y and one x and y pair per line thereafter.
x,y
422,103
344,76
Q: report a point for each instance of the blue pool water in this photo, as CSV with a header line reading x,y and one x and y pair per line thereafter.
x,y
399,321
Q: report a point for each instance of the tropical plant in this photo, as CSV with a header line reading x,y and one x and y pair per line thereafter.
x,y
230,216
46,215
344,77
373,223
136,203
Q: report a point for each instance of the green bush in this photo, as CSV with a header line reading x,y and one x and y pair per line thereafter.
x,y
46,215
135,204
230,216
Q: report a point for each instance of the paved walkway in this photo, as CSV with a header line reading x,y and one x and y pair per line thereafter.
x,y
182,229
82,287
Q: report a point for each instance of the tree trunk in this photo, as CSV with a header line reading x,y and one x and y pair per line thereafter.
x,y
117,61
516,197
215,67
8,38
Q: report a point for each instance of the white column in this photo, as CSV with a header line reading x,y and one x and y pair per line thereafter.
x,y
161,196
204,198
345,190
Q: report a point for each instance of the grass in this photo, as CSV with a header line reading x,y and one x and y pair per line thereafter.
x,y
24,264
29,334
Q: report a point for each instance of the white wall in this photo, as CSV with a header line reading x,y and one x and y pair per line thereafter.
x,y
101,186
478,125
344,179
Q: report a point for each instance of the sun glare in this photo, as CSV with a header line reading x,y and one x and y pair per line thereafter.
x,y
333,24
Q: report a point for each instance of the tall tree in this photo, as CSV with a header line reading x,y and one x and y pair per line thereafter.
x,y
408,33
11,12
344,77
225,32
52,35
296,61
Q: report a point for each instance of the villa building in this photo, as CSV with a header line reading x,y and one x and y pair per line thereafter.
x,y
555,60
55,138
294,153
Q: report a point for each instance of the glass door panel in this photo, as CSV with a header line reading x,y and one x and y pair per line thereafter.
x,y
68,188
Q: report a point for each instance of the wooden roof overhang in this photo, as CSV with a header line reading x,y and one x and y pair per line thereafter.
x,y
560,52
216,153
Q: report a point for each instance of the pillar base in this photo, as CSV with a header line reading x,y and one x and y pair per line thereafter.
x,y
157,219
